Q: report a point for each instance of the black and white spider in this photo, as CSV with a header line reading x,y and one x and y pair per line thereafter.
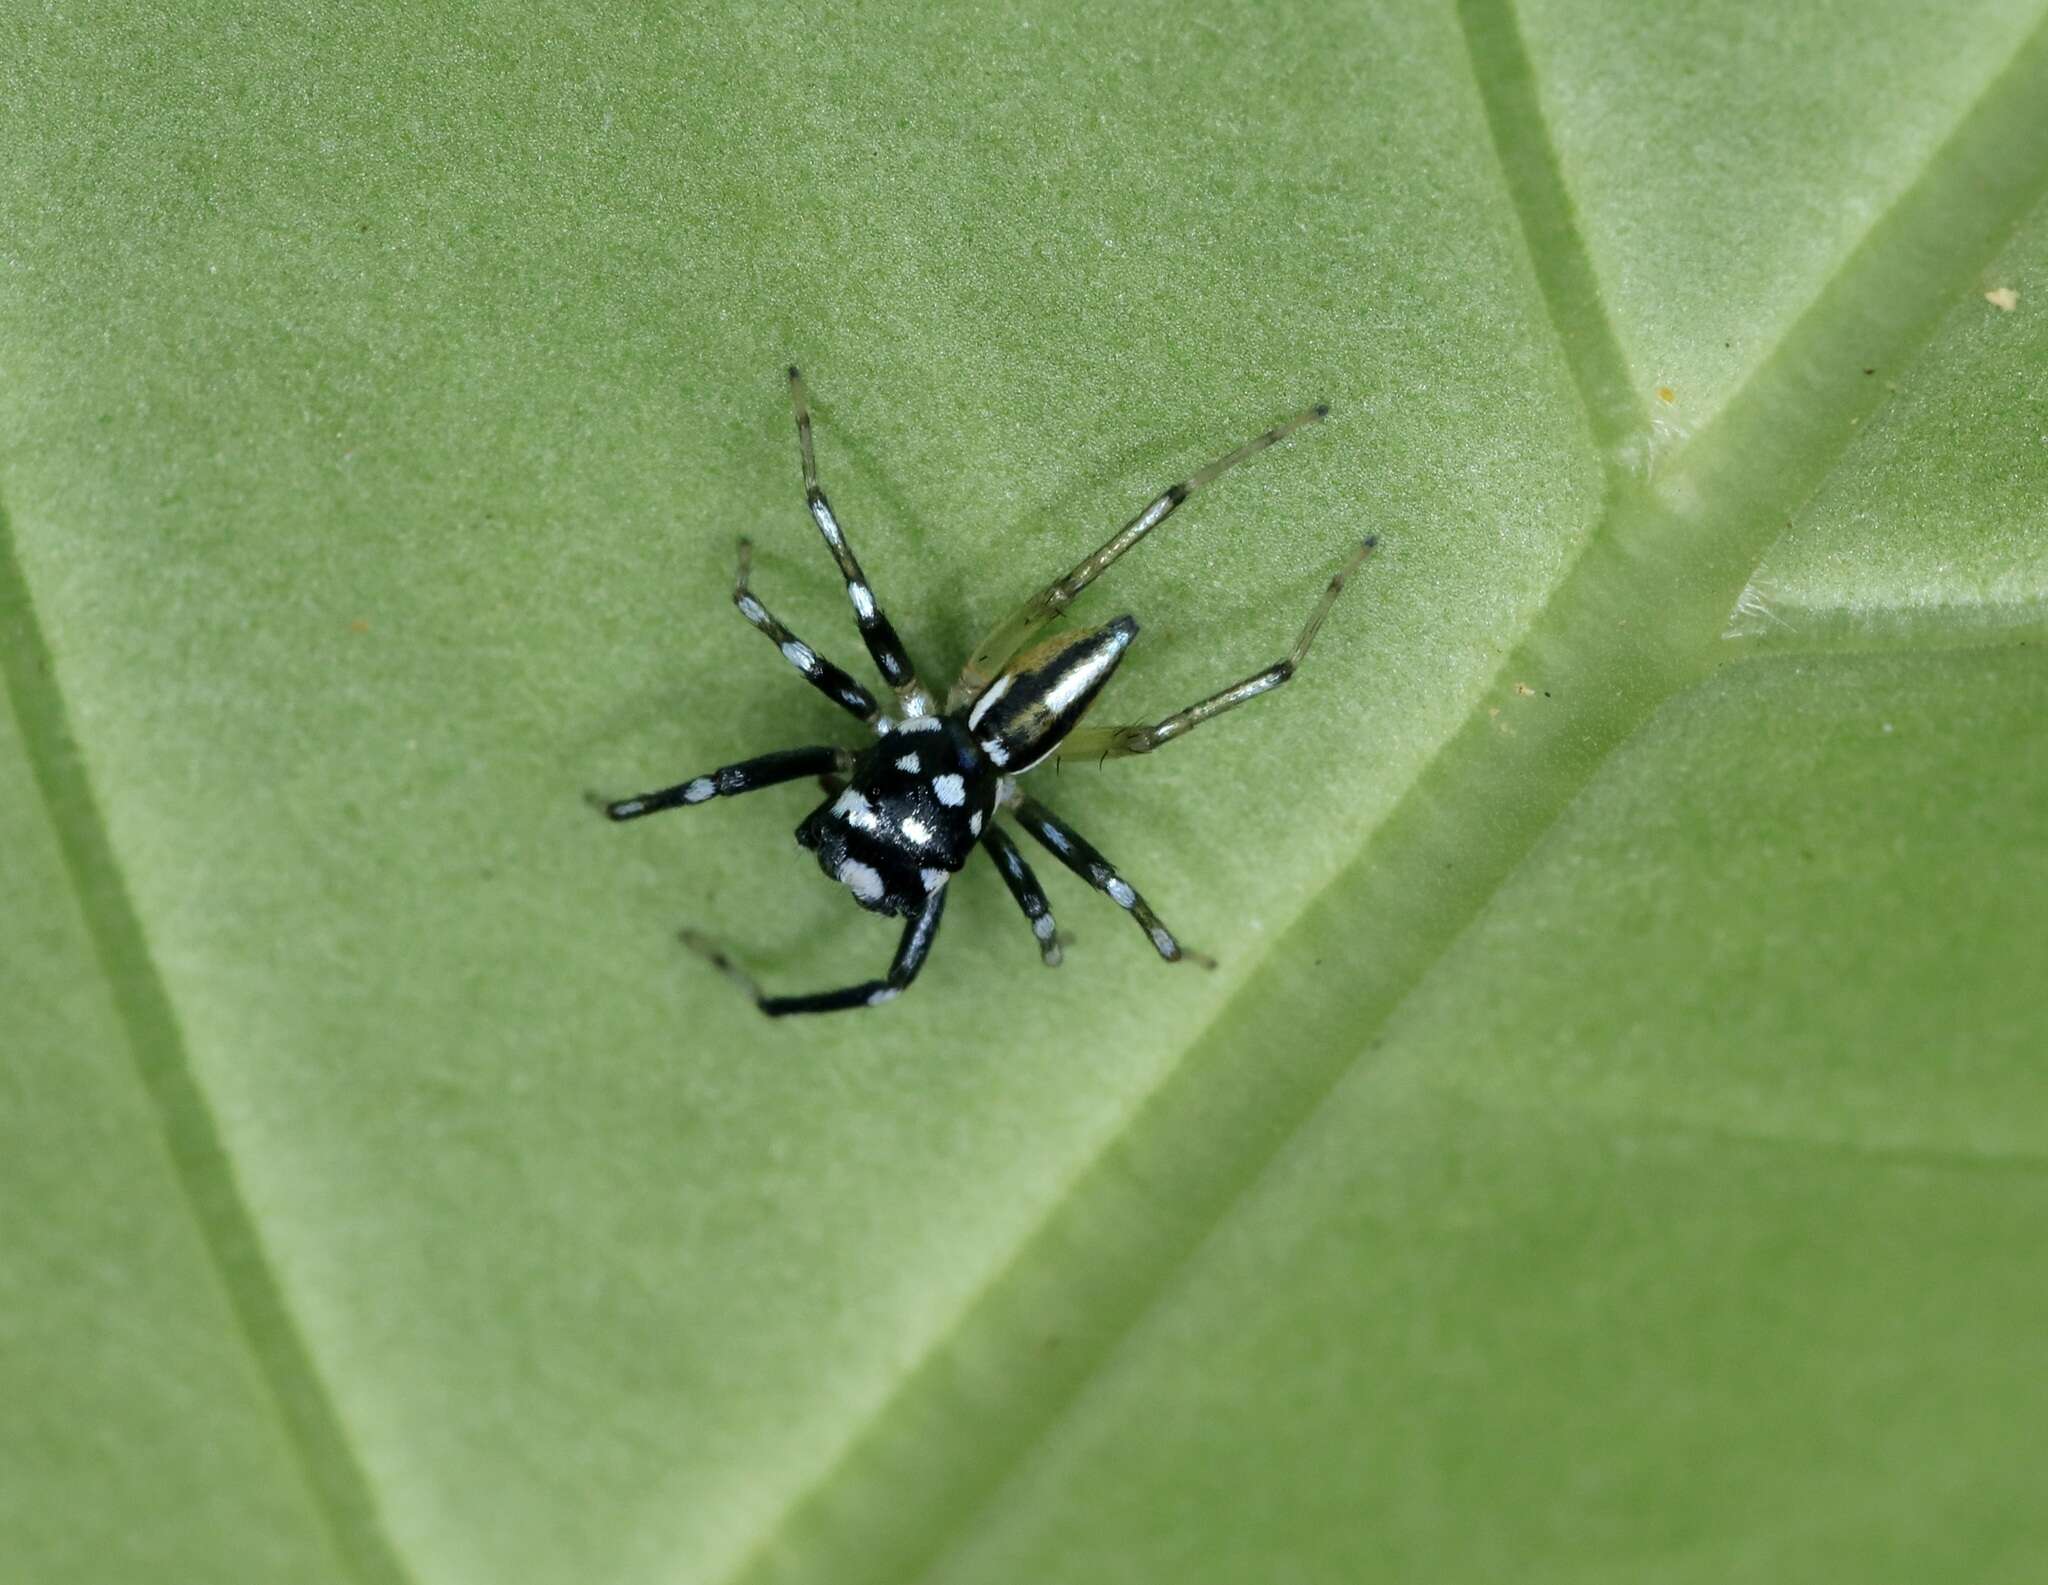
x,y
902,817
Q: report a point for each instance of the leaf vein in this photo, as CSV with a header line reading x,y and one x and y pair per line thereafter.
x,y
156,1046
1611,645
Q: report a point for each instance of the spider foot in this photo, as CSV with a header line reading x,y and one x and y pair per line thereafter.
x,y
714,954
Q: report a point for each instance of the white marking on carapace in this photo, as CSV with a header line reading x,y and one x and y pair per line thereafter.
x,y
855,810
910,763
863,601
700,789
989,696
951,790
974,823
916,829
918,723
860,879
799,655
993,748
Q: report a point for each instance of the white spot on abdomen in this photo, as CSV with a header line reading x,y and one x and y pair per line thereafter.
x,y
917,830
911,763
951,790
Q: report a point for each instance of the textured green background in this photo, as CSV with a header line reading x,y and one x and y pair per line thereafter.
x,y
1611,1146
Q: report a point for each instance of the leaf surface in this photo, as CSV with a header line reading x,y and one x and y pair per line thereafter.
x,y
1600,980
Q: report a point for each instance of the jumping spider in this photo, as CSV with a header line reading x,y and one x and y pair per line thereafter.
x,y
902,817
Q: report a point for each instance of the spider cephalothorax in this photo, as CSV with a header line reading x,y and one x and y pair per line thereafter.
x,y
908,817
903,816
915,804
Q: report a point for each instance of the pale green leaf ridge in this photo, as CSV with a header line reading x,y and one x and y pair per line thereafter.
x,y
1613,643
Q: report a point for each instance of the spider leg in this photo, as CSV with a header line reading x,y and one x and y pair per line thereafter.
x,y
730,780
1025,888
911,952
1010,635
1074,851
819,672
1113,742
890,657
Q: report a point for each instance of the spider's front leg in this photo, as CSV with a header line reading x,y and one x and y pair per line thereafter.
x,y
728,781
911,952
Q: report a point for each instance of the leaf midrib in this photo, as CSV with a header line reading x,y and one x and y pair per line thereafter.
x,y
907,1485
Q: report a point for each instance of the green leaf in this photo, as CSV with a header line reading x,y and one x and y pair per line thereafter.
x,y
1610,1144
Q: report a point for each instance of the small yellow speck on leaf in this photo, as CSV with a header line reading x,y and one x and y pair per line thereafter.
x,y
359,626
1666,394
2003,298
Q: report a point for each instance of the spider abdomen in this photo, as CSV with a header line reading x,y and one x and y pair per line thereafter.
x,y
908,818
1041,695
